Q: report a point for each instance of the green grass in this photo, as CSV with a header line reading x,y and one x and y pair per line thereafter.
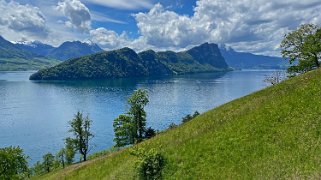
x,y
271,134
20,64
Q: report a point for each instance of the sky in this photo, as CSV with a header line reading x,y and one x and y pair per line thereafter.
x,y
256,26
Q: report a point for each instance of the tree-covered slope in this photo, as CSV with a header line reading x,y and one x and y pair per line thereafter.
x,y
272,134
9,50
22,64
127,63
13,58
119,63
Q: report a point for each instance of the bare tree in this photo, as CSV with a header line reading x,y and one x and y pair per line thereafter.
x,y
275,78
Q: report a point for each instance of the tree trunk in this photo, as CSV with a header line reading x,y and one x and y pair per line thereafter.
x,y
316,60
85,156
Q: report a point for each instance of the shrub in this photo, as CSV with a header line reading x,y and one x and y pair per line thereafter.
x,y
190,117
150,164
150,132
172,126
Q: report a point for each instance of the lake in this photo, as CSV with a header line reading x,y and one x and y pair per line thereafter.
x,y
35,115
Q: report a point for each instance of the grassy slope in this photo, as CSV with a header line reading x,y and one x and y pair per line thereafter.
x,y
274,133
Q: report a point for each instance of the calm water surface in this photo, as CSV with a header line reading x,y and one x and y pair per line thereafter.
x,y
35,115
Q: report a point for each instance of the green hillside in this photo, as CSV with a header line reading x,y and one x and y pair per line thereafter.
x,y
13,58
126,62
271,134
22,64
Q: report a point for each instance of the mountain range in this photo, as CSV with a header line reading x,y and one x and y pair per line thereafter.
x,y
36,55
21,56
66,50
126,62
13,58
244,60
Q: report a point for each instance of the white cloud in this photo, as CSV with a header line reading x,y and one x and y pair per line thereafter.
x,y
108,39
249,25
163,28
123,4
77,13
24,19
96,16
254,26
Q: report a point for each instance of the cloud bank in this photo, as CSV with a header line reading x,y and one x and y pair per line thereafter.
x,y
256,26
24,19
248,25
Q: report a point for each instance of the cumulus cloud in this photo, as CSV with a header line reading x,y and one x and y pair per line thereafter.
x,y
25,19
249,25
108,39
123,4
163,28
77,13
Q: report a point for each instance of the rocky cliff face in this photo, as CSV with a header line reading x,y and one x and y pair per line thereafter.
x,y
208,54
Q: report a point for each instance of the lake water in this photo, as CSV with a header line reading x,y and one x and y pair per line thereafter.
x,y
35,115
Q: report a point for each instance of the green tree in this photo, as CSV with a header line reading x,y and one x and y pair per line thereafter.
x,y
13,163
80,127
302,48
124,131
137,101
37,168
48,162
61,156
69,151
131,128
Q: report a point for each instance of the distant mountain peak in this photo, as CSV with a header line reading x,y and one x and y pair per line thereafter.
x,y
73,49
247,60
89,42
208,53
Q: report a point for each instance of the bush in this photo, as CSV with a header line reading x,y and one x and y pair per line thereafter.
x,y
190,117
150,164
172,126
150,132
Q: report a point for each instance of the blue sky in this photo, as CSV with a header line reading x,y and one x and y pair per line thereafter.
x,y
256,26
